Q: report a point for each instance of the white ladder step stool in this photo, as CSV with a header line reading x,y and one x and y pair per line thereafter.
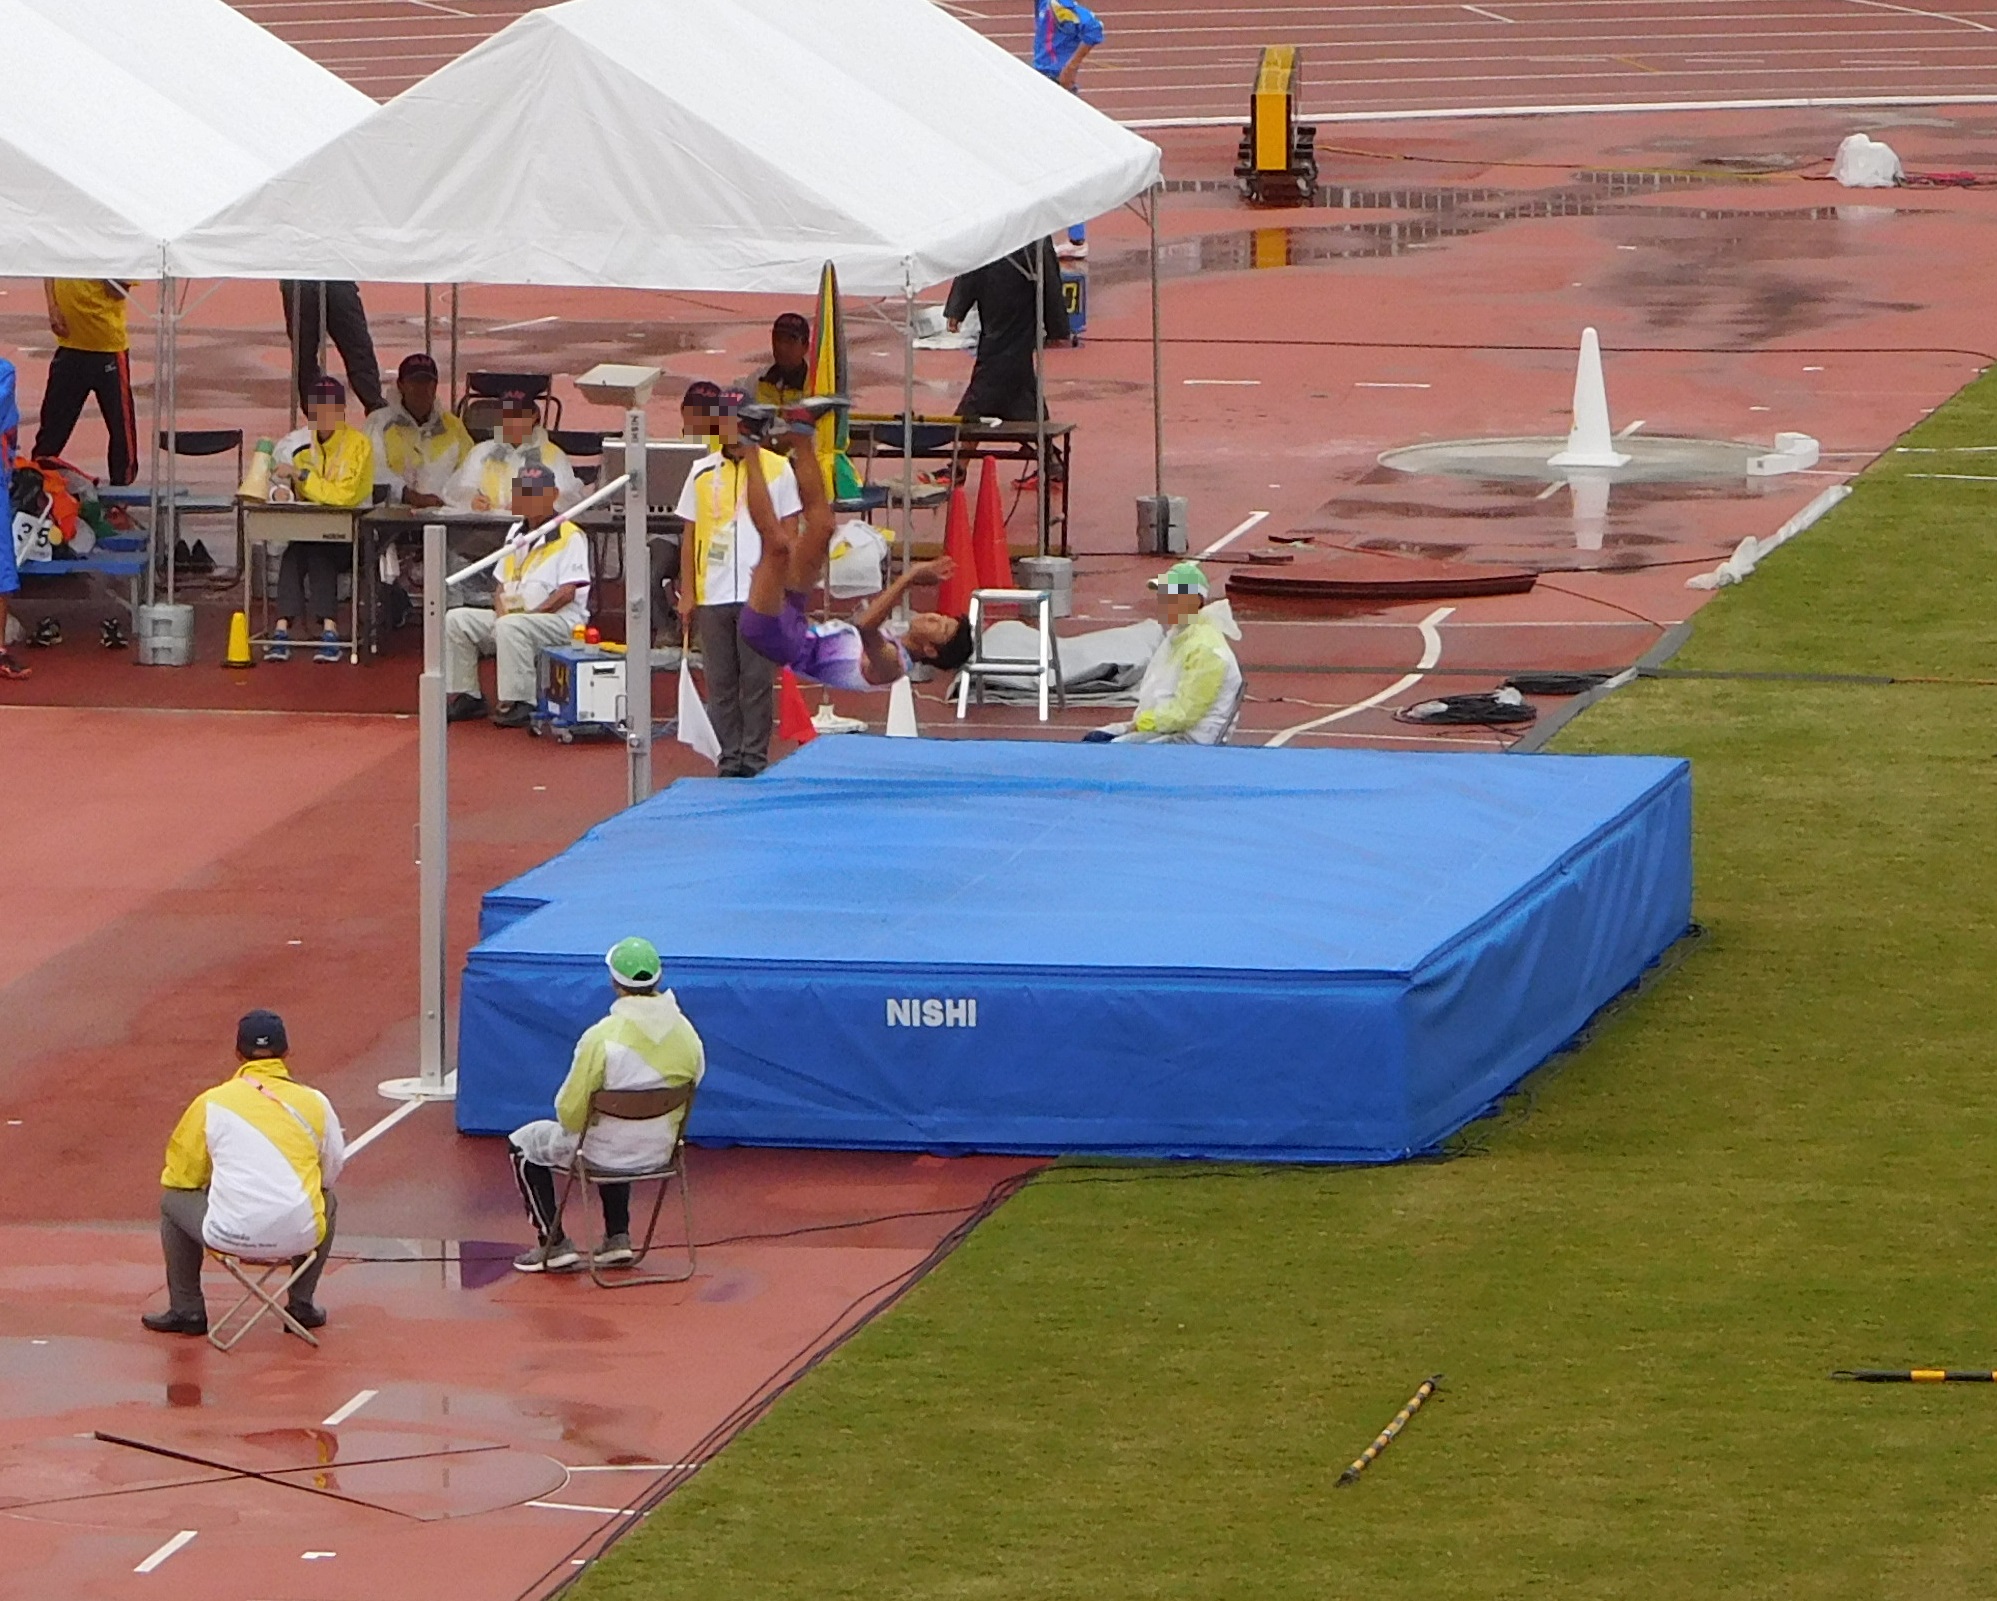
x,y
1045,668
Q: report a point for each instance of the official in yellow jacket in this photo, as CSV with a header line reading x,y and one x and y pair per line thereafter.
x,y
249,1170
418,445
334,466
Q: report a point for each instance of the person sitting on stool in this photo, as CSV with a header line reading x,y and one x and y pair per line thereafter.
x,y
644,1044
539,602
249,1171
1192,685
332,465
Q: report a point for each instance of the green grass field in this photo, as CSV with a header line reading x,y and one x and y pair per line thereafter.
x,y
1774,1163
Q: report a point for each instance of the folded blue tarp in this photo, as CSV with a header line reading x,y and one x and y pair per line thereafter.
x,y
1007,946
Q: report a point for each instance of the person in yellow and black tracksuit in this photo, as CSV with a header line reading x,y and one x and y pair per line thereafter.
x,y
92,357
334,466
249,1170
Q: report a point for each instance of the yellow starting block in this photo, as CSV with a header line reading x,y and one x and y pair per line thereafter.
x,y
1277,162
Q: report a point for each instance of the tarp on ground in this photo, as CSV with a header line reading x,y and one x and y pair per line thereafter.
x,y
124,122
949,945
694,144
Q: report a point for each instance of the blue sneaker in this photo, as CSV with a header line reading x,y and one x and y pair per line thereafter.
x,y
279,648
329,647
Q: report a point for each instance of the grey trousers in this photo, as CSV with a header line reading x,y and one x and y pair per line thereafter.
x,y
515,639
181,1214
741,692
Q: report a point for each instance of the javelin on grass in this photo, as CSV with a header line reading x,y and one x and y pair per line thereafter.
x,y
1385,1437
1917,1375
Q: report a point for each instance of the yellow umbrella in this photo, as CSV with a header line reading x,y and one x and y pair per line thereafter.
x,y
829,373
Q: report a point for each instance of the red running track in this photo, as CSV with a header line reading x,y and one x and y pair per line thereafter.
x,y
1167,61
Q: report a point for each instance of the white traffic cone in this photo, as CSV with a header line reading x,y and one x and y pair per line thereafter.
x,y
901,711
1589,442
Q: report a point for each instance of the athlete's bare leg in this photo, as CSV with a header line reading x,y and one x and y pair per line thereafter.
x,y
812,549
771,576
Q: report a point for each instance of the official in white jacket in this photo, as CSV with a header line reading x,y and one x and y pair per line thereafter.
x,y
485,481
249,1170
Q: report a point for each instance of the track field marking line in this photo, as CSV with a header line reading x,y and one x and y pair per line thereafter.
x,y
600,1511
637,1467
356,1146
1914,11
1431,633
1480,11
166,1550
1252,521
1586,109
342,1414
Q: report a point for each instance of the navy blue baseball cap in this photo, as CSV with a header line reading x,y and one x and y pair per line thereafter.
x,y
536,478
261,1033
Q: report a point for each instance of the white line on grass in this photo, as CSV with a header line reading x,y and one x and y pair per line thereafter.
x,y
349,1409
1431,633
166,1550
1253,520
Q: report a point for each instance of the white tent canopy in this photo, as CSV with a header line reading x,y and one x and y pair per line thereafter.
x,y
127,121
692,144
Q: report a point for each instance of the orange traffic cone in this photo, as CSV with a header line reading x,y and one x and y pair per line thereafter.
x,y
793,716
953,597
994,561
988,536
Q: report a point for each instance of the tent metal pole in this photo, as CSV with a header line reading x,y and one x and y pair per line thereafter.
x,y
429,321
432,1081
159,423
908,417
1157,356
637,609
454,342
319,347
170,510
1041,250
295,338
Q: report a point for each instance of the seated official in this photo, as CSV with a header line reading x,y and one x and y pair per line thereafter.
x,y
249,1171
645,1043
1193,684
327,464
541,599
418,446
485,481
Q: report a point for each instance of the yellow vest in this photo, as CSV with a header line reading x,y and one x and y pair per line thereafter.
x,y
717,492
95,314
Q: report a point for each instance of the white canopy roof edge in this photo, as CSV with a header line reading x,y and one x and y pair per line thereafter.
x,y
692,144
106,156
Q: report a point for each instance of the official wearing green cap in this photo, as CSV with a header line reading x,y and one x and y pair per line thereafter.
x,y
1192,687
644,1043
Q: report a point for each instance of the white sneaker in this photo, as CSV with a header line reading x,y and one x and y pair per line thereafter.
x,y
826,721
1071,249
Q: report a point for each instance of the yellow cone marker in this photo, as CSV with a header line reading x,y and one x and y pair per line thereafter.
x,y
238,653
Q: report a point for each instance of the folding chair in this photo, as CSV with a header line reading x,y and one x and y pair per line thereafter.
x,y
637,1106
478,406
258,1289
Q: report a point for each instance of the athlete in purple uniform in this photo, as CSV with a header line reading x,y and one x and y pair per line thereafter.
x,y
776,623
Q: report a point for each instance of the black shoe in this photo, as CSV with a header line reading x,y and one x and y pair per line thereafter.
x,y
172,1322
513,714
306,1315
463,708
181,554
112,635
47,632
198,559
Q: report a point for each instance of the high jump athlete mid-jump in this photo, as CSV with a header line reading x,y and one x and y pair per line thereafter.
x,y
866,653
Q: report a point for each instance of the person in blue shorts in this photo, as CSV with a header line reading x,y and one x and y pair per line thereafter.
x,y
1063,35
10,578
866,653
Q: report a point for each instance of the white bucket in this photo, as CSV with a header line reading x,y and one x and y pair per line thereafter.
x,y
1055,574
166,635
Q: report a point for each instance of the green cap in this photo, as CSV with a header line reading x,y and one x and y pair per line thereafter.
x,y
1181,578
633,963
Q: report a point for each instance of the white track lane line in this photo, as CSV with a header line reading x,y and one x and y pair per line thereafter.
x,y
1596,109
600,1511
1937,16
1431,633
357,1145
166,1550
349,1409
1248,524
637,1467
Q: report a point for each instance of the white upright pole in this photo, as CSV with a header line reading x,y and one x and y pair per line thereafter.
x,y
908,417
156,507
637,610
433,1082
1157,357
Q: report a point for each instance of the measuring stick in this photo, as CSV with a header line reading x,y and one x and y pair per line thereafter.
x,y
1917,1375
1385,1437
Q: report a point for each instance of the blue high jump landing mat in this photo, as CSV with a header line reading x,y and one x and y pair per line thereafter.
x,y
949,945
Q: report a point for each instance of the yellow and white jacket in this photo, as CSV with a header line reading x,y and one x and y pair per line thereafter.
x,y
334,472
488,470
265,1149
423,456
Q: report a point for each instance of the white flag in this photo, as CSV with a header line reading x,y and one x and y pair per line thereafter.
x,y
695,729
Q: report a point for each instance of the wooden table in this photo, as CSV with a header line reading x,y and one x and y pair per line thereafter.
x,y
953,439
